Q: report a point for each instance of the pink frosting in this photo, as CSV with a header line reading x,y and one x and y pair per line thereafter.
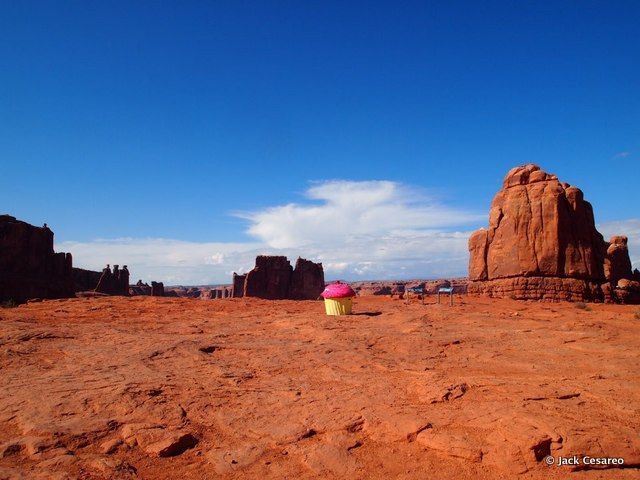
x,y
338,290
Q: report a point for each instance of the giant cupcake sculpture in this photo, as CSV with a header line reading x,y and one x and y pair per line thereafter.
x,y
338,298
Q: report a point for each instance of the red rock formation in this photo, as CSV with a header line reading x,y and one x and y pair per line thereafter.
x,y
542,243
157,289
274,278
626,291
114,283
307,280
85,280
140,288
29,268
212,294
617,264
238,285
269,279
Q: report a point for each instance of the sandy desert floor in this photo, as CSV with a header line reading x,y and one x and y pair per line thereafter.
x,y
244,388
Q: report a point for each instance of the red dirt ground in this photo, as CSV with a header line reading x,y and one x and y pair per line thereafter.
x,y
244,388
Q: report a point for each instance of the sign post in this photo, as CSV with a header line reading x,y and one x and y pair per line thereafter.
x,y
448,290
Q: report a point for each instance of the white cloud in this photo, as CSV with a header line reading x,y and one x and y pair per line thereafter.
x,y
368,230
216,259
347,210
629,228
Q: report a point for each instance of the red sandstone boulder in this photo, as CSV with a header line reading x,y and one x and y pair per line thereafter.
x,y
29,268
307,280
542,243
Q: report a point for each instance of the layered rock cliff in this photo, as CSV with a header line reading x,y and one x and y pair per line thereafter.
x,y
29,268
274,278
542,243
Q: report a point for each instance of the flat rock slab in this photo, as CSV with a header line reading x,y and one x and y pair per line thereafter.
x,y
164,388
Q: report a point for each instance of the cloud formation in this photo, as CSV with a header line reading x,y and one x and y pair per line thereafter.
x,y
346,210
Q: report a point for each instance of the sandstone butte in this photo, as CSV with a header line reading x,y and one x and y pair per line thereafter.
x,y
542,243
274,278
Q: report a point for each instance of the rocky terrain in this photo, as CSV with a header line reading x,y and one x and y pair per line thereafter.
x,y
542,243
165,388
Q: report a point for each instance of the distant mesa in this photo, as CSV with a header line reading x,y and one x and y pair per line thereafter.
x,y
398,287
542,243
274,278
140,288
270,278
29,267
157,289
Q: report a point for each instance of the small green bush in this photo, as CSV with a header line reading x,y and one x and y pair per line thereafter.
x,y
8,304
583,306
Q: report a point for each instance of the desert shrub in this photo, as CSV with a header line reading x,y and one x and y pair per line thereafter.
x,y
8,304
637,315
583,306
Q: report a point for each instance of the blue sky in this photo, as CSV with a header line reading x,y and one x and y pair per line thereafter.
x,y
197,126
